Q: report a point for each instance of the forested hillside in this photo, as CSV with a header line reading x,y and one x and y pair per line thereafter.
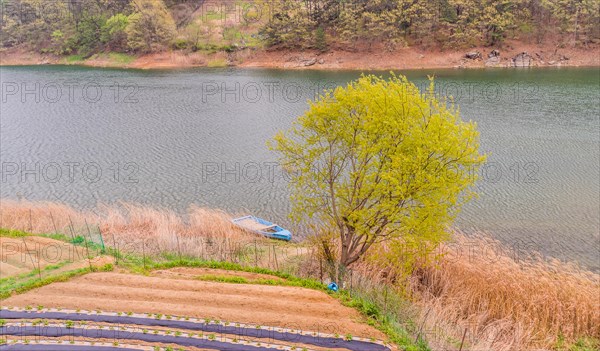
x,y
445,23
87,27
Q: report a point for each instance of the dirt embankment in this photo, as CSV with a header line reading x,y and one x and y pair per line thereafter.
x,y
26,254
547,55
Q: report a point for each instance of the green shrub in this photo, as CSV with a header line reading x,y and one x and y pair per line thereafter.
x,y
320,41
180,44
113,32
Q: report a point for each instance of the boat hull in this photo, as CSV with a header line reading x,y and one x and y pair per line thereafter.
x,y
262,227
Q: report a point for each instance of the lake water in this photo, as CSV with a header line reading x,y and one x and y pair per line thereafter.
x,y
173,138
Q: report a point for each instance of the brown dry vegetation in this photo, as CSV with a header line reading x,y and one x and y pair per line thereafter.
x,y
204,233
499,299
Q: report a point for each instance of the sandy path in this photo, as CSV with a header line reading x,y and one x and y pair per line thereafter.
x,y
254,304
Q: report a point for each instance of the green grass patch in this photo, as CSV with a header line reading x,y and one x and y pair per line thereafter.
x,y
232,34
302,283
74,58
224,279
586,344
121,58
11,233
33,273
217,62
386,323
582,344
172,262
77,240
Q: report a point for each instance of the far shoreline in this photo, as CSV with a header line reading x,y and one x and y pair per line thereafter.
x,y
266,68
409,58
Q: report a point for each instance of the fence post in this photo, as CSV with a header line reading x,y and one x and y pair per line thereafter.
x,y
72,230
116,249
53,223
178,247
87,227
87,249
228,255
423,324
275,257
101,239
463,340
321,269
269,265
30,223
88,230
144,253
224,250
202,248
385,299
255,254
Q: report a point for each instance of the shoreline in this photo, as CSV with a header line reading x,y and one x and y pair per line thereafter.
x,y
409,58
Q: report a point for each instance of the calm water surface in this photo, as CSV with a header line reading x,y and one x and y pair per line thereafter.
x,y
175,138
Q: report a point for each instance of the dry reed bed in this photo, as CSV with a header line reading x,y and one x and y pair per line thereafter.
x,y
500,300
133,228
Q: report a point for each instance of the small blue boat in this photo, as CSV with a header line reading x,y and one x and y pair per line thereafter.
x,y
263,227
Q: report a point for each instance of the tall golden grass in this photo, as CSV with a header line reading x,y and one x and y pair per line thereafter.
x,y
128,227
499,298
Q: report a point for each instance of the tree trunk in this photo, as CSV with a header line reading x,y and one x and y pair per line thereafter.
x,y
341,274
576,34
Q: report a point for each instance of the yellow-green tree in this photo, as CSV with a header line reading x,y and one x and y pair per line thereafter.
x,y
378,160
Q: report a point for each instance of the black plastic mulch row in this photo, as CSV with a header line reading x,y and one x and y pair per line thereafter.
x,y
30,347
326,342
54,332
